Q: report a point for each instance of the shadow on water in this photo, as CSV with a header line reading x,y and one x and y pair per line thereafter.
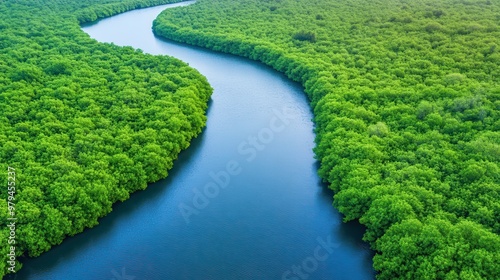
x,y
351,233
73,245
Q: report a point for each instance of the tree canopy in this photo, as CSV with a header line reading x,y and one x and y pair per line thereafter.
x,y
84,124
406,98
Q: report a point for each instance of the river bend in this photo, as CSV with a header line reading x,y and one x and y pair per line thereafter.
x,y
243,202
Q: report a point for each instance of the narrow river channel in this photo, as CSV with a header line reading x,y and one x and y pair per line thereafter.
x,y
243,202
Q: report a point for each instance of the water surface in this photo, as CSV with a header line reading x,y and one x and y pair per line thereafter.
x,y
267,214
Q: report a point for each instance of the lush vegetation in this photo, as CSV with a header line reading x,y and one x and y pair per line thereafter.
x,y
83,124
406,97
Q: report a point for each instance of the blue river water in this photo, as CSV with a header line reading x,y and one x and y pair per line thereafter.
x,y
243,202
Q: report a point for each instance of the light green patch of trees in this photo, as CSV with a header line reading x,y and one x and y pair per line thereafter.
x,y
84,124
406,97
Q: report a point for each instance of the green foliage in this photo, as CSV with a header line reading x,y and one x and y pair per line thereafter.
x,y
379,129
305,36
406,97
106,8
83,123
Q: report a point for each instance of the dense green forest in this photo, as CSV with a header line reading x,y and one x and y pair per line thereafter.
x,y
82,124
406,97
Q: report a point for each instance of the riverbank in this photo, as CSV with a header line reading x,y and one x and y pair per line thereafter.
x,y
275,201
84,124
405,113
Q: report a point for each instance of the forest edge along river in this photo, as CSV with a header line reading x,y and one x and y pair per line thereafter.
x,y
242,202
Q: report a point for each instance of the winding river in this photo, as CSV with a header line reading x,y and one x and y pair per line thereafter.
x,y
243,202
